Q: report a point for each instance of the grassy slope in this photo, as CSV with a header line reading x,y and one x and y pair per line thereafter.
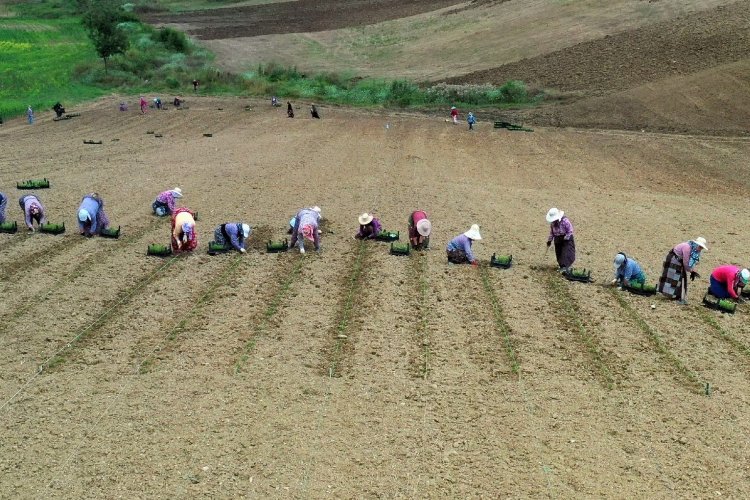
x,y
37,57
434,45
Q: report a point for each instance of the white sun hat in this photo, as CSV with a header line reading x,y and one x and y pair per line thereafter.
x,y
365,218
701,242
246,230
473,233
554,214
177,192
424,227
619,260
745,276
83,215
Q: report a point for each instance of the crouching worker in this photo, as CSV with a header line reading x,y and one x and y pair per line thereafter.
x,y
233,233
306,224
165,202
727,282
419,230
184,237
369,227
459,248
91,216
627,271
32,211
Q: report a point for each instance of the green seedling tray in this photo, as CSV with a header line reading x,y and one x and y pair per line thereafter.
x,y
9,227
721,305
33,184
582,275
215,249
387,236
501,261
52,228
638,289
400,249
110,233
159,250
276,246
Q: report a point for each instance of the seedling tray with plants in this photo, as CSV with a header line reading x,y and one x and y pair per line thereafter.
x,y
110,233
722,305
33,184
158,250
52,228
582,275
400,249
387,236
640,288
501,261
9,227
276,246
216,248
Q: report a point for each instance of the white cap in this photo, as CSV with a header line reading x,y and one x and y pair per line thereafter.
x,y
745,276
554,214
473,233
246,230
619,260
315,209
83,215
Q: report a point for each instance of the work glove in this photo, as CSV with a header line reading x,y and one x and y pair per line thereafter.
x,y
549,242
694,275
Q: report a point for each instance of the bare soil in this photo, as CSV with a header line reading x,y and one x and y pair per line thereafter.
x,y
206,376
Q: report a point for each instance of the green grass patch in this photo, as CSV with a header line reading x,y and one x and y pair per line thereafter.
x,y
500,323
736,343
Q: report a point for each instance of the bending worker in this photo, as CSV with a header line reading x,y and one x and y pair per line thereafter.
x,y
419,230
306,224
727,282
369,227
627,271
184,237
91,216
459,248
165,202
3,205
32,210
233,233
679,262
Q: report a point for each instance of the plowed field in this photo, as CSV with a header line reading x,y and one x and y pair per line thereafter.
x,y
353,373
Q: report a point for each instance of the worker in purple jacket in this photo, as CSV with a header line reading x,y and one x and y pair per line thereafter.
x,y
91,216
164,204
233,233
306,224
32,210
459,248
369,227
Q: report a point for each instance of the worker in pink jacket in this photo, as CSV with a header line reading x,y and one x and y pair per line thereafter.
x,y
727,281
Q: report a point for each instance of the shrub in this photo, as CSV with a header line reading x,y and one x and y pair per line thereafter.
x,y
173,40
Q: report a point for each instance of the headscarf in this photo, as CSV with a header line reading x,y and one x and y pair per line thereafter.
x,y
695,254
308,231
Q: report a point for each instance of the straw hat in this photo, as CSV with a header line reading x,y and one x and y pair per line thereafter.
x,y
619,260
701,242
177,192
315,209
365,219
246,230
83,215
554,214
473,233
424,227
745,276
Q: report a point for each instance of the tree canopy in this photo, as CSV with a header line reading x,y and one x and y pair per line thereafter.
x,y
102,19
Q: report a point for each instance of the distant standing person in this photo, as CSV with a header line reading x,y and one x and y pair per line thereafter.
x,y
678,264
314,111
471,120
3,204
32,210
30,115
289,110
123,106
91,216
454,115
195,86
561,234
144,104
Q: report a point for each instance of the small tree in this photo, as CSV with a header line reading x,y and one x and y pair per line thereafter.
x,y
101,19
